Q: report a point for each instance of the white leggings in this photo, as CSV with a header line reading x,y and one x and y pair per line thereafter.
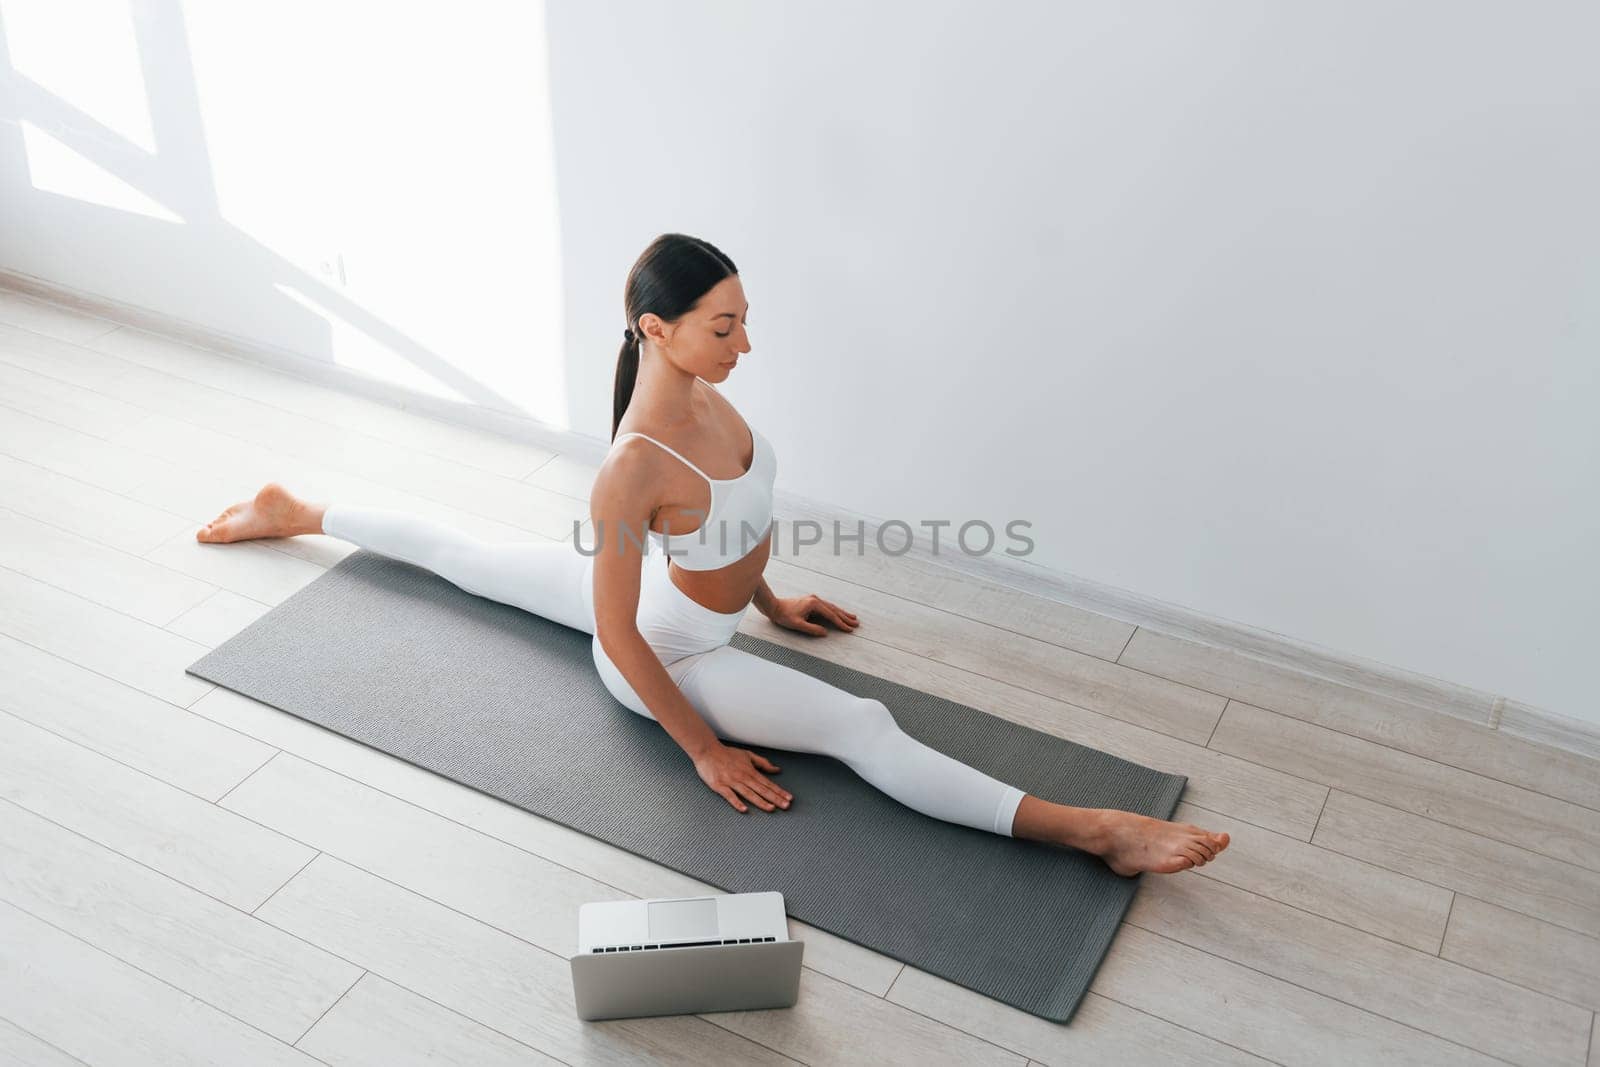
x,y
742,697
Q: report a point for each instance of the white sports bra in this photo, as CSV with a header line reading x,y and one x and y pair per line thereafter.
x,y
741,512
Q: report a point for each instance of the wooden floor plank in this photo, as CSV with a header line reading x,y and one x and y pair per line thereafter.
x,y
18,1048
1394,906
1506,813
1514,878
255,972
94,1006
1102,1030
217,618
835,1023
201,489
258,572
1448,739
467,488
1412,987
128,726
184,419
99,639
181,835
470,872
85,410
62,361
112,519
380,1024
108,576
301,398
129,367
1524,950
69,452
565,475
506,983
1272,1017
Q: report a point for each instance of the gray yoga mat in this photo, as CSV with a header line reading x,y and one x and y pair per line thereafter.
x,y
509,703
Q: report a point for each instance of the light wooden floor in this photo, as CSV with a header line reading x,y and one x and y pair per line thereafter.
x,y
191,877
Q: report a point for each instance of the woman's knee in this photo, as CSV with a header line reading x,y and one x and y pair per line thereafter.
x,y
462,560
862,726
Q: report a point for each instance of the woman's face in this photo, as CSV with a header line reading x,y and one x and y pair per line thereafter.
x,y
708,340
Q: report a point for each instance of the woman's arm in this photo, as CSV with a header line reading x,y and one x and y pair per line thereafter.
x,y
764,598
619,507
639,664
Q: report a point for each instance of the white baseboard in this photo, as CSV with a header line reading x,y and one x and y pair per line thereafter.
x,y
1497,712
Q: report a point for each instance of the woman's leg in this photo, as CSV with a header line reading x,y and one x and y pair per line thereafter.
x,y
749,699
547,578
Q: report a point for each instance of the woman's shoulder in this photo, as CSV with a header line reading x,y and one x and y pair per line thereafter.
x,y
628,490
638,460
631,459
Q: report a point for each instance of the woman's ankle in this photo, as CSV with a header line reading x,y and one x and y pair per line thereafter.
x,y
1060,824
312,518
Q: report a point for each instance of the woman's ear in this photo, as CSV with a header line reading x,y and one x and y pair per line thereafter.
x,y
650,325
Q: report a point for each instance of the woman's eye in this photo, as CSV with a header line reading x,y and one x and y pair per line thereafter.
x,y
746,326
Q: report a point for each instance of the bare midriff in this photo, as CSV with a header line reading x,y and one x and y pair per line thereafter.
x,y
726,589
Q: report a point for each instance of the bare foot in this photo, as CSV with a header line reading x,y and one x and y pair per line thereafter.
x,y
275,512
1131,843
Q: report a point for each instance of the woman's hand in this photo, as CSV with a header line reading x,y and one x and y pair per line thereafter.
x,y
794,612
730,770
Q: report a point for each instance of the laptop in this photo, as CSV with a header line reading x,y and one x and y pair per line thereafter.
x,y
679,955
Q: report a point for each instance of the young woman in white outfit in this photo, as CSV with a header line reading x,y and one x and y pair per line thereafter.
x,y
682,510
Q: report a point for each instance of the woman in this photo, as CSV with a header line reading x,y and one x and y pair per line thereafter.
x,y
662,625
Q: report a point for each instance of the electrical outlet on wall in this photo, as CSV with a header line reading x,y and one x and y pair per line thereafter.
x,y
330,268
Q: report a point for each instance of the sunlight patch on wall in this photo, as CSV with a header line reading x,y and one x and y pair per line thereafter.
x,y
85,53
55,168
429,204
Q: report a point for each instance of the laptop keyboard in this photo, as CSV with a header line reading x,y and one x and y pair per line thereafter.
x,y
683,944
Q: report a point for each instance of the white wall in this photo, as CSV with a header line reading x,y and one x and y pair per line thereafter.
x,y
1283,313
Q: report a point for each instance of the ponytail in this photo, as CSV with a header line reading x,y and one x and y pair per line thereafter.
x,y
622,385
